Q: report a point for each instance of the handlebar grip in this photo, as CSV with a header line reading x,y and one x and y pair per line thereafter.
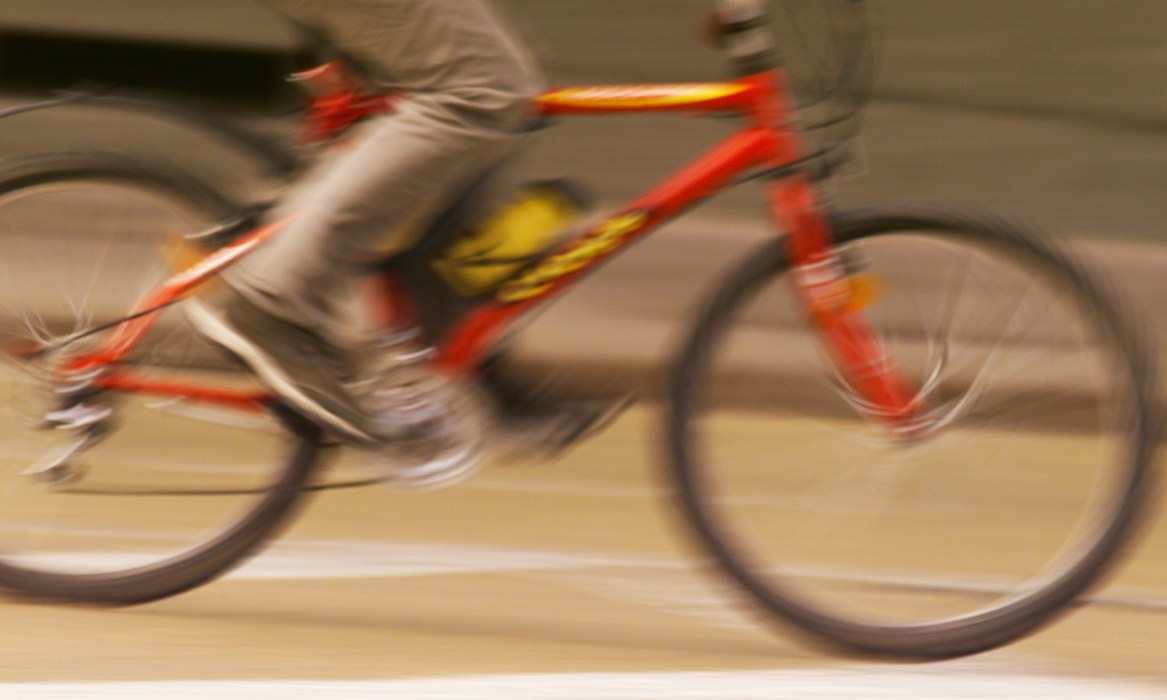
x,y
746,37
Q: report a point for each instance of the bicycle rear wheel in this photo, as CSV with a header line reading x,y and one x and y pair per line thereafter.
x,y
165,495
1014,502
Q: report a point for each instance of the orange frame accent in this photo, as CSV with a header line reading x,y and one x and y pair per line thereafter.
x,y
768,140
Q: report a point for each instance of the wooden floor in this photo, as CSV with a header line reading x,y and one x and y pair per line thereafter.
x,y
572,567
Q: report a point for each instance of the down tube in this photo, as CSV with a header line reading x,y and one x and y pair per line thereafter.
x,y
461,350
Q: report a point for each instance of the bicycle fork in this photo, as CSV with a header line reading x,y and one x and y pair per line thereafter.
x,y
826,291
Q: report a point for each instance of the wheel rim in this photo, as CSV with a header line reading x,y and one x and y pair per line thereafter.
x,y
76,253
850,534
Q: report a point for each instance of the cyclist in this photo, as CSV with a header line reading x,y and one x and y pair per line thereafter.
x,y
469,81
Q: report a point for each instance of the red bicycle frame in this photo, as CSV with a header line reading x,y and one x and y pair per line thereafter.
x,y
768,140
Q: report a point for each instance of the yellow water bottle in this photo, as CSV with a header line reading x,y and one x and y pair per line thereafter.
x,y
510,237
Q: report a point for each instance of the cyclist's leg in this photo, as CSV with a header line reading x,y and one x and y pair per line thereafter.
x,y
280,314
471,79
377,197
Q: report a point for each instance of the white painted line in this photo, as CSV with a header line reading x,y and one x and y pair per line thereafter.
x,y
344,559
327,559
581,490
938,682
339,559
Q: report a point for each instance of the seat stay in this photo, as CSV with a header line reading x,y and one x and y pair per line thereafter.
x,y
141,318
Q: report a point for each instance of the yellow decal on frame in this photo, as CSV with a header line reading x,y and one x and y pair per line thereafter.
x,y
602,240
633,96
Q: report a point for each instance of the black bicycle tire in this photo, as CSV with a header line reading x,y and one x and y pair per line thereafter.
x,y
218,554
929,640
274,156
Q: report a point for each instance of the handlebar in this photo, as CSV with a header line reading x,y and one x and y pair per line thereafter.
x,y
746,36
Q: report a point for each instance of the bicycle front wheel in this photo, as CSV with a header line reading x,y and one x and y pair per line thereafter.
x,y
108,497
1017,497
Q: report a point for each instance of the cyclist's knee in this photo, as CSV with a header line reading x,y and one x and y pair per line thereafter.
x,y
502,107
498,99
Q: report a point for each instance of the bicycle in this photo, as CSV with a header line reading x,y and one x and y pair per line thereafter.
x,y
935,330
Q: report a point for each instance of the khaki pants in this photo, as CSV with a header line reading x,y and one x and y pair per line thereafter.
x,y
399,172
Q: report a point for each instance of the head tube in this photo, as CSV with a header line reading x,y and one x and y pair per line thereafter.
x,y
746,36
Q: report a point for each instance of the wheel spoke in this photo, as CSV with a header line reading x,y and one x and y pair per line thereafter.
x,y
79,249
1024,470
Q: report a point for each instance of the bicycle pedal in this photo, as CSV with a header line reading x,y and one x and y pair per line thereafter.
x,y
58,466
61,475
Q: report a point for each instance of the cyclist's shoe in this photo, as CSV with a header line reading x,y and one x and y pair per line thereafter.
x,y
541,422
304,370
